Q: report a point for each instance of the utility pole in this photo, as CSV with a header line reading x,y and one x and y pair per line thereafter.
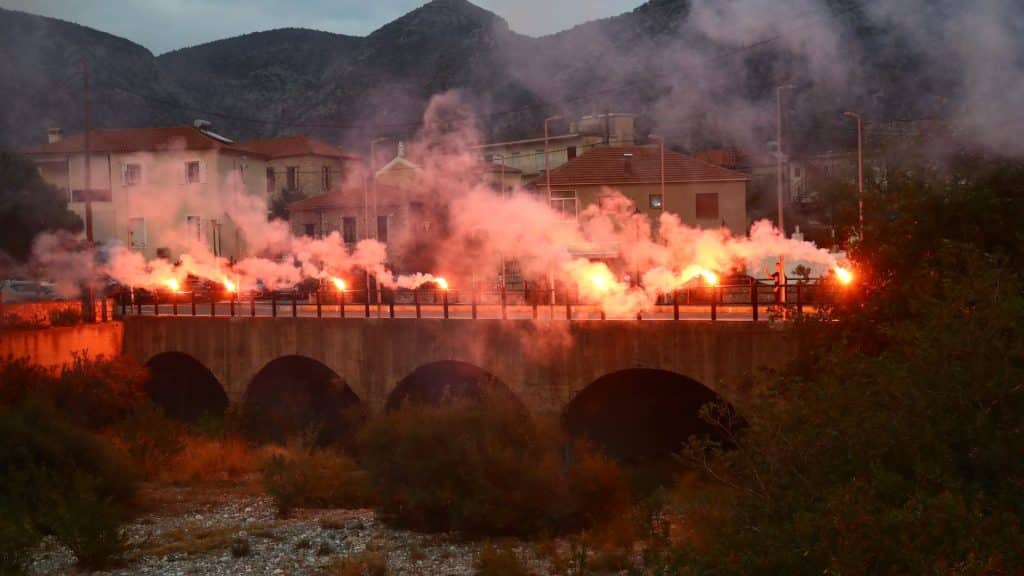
x,y
547,177
778,187
90,304
376,214
860,172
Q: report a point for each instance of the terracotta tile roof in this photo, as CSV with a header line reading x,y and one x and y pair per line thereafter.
x,y
295,146
136,140
342,199
611,165
724,157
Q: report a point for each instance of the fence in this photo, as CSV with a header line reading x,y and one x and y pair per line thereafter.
x,y
754,300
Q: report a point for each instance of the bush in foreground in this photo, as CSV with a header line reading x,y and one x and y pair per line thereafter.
x,y
897,450
94,393
58,480
316,478
485,468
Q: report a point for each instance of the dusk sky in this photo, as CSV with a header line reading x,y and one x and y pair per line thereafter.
x,y
164,25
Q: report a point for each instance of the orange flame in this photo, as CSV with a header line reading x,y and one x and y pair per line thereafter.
x,y
339,284
173,284
441,283
601,279
844,275
710,278
230,286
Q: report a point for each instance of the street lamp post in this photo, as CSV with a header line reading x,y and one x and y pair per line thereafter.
x,y
547,178
376,215
860,171
778,187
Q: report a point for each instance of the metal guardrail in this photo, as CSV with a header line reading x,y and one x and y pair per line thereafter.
x,y
756,300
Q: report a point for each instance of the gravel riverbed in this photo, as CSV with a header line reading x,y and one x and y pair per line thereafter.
x,y
200,531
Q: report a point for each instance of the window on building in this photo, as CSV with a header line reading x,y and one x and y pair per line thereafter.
x,y
194,225
348,229
309,230
564,201
570,152
193,172
271,181
655,201
215,240
325,177
137,232
707,206
382,228
293,177
131,174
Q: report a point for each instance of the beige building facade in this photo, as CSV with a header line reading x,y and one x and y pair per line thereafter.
x,y
700,194
304,165
155,190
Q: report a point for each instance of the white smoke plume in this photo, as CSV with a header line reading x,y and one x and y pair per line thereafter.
x,y
476,230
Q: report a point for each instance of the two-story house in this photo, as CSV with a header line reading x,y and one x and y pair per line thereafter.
x,y
701,194
303,165
154,189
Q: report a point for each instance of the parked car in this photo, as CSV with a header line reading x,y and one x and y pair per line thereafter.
x,y
28,291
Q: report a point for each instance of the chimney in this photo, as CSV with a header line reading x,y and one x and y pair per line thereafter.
x,y
54,135
629,163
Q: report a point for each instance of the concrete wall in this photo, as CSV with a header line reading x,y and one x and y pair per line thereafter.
x,y
54,347
39,312
545,364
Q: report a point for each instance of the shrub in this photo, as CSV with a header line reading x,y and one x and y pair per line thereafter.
x,y
316,478
98,392
60,480
481,468
19,377
499,561
208,460
150,439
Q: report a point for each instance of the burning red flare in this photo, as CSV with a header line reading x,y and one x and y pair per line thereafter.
x,y
173,284
230,286
710,278
844,275
441,283
339,284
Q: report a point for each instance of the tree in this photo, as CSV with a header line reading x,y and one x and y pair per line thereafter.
x,y
29,206
893,447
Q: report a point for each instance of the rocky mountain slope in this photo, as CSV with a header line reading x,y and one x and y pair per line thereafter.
x,y
695,79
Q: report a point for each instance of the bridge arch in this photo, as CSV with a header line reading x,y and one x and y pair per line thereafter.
x,y
296,395
434,383
183,387
640,414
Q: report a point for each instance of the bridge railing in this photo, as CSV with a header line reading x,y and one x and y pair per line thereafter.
x,y
752,300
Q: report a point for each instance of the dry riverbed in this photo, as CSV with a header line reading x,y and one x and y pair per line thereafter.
x,y
200,531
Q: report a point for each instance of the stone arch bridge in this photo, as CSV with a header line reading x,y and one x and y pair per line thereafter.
x,y
545,364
